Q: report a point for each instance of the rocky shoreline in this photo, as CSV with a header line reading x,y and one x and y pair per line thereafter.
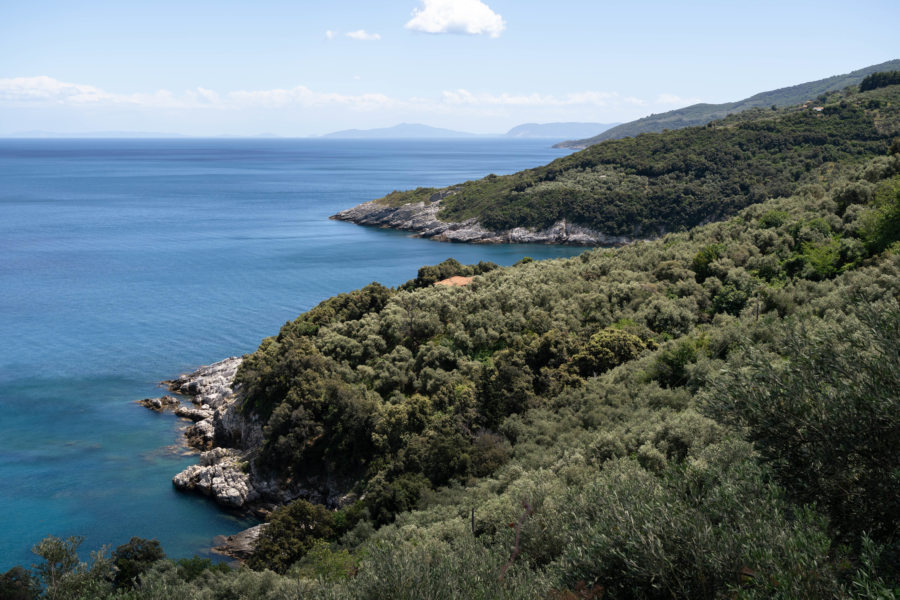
x,y
421,218
226,439
227,442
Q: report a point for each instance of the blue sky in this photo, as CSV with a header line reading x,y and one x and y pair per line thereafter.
x,y
306,68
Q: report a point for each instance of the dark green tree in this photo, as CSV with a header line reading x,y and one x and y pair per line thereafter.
x,y
134,558
292,531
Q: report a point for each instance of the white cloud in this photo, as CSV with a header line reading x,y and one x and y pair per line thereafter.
x,y
598,99
43,89
456,16
666,98
330,34
47,89
363,35
202,95
304,97
48,92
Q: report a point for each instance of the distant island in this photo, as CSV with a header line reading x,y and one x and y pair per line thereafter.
x,y
548,131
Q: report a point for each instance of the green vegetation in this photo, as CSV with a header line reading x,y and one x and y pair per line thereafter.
x,y
645,186
701,114
877,80
713,414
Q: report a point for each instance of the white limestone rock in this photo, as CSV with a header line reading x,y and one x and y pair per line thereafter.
x,y
421,218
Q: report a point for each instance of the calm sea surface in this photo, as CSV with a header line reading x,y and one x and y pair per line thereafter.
x,y
126,262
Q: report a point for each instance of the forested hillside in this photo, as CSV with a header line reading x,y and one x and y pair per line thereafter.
x,y
656,183
701,114
712,414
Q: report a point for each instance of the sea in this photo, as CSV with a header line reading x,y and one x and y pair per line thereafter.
x,y
127,262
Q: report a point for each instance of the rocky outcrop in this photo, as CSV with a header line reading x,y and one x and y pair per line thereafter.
x,y
160,404
210,385
422,219
193,413
227,438
222,474
228,441
239,545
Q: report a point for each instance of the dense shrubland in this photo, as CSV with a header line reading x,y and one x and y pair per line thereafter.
x,y
654,183
714,414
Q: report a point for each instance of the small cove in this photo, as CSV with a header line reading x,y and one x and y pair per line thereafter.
x,y
126,262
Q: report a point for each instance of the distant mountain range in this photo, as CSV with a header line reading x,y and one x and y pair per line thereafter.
x,y
701,114
557,131
549,131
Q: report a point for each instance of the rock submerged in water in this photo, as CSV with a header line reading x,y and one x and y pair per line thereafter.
x,y
421,218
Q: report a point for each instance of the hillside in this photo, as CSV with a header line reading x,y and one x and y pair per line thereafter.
x,y
710,415
558,130
701,114
645,186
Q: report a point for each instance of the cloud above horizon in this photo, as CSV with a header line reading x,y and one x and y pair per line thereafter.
x,y
46,90
363,35
471,17
666,98
43,95
599,99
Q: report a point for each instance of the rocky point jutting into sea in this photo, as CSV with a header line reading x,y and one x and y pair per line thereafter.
x,y
422,218
227,441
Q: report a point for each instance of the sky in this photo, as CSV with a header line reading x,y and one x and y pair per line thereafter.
x,y
309,67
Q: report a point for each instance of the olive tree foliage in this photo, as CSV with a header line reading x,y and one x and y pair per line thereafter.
x,y
823,408
64,576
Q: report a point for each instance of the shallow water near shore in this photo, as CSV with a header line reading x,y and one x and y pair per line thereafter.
x,y
126,262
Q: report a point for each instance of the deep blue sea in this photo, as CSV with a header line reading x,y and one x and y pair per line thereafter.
x,y
126,262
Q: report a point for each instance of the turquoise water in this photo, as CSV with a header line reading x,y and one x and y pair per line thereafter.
x,y
126,262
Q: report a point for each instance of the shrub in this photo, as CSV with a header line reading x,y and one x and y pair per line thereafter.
x,y
826,416
134,558
292,531
606,349
19,584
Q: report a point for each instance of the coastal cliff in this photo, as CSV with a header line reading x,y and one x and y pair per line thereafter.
x,y
228,441
421,218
